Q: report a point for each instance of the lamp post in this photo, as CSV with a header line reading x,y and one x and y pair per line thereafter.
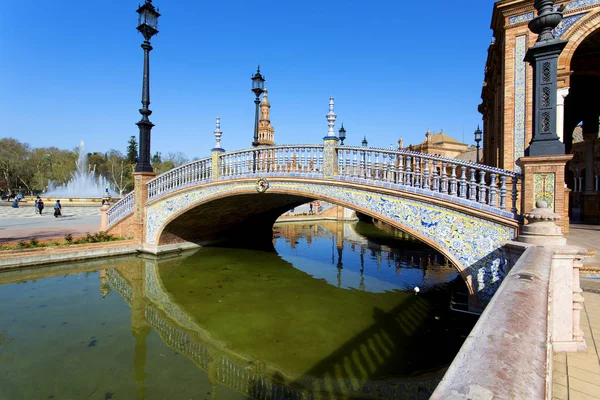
x,y
364,142
258,87
147,26
342,134
478,135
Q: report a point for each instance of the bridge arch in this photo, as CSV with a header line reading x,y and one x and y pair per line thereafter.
x,y
471,238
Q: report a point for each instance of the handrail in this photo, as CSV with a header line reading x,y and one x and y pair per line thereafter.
x,y
297,159
185,175
120,209
440,176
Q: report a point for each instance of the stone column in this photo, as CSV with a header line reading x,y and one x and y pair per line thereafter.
x,y
561,94
104,217
140,188
544,179
590,133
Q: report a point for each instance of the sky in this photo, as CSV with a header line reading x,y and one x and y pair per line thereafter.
x,y
71,70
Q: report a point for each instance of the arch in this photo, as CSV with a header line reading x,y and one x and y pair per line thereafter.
x,y
472,239
575,36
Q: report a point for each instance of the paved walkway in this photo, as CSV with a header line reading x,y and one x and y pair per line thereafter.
x,y
23,223
577,375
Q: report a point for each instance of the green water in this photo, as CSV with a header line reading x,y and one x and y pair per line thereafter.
x,y
330,313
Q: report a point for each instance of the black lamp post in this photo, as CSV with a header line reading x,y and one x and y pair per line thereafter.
x,y
258,87
478,135
364,142
342,134
147,25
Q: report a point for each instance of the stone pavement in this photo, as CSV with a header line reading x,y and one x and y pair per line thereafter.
x,y
576,376
23,223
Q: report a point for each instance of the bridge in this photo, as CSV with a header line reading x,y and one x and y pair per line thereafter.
x,y
466,211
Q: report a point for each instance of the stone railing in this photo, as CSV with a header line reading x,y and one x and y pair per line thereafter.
x,y
294,159
534,313
447,178
186,175
120,209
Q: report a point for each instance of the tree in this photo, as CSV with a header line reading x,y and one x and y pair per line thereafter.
x,y
156,159
13,163
178,158
120,171
132,151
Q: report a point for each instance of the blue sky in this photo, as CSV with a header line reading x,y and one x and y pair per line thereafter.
x,y
72,70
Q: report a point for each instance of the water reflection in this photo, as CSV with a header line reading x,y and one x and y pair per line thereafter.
x,y
326,316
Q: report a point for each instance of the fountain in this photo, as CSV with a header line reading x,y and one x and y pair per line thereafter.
x,y
83,184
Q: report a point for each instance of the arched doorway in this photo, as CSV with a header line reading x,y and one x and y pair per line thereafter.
x,y
582,113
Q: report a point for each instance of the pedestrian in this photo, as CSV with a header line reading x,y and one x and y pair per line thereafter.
x,y
311,208
40,205
57,208
15,203
35,205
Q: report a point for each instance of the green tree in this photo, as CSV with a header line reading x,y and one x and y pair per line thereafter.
x,y
178,158
14,167
132,151
156,158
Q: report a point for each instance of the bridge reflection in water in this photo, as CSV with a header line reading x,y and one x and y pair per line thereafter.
x,y
346,372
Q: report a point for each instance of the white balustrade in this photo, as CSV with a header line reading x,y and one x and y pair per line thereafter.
x,y
186,175
294,159
430,173
120,209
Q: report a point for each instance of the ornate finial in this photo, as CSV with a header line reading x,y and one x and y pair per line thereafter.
x,y
331,118
541,228
400,143
546,20
218,133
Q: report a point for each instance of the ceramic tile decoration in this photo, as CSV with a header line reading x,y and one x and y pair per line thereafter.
x,y
521,18
519,128
473,242
329,159
580,3
543,188
566,23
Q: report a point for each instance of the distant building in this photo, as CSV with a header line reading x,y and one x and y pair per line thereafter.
x,y
266,133
441,144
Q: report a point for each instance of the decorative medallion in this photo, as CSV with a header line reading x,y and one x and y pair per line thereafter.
x,y
262,184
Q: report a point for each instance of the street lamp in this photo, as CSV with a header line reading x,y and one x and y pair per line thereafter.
x,y
364,142
342,134
147,26
478,135
258,87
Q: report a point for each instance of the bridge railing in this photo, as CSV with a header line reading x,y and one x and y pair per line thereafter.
x,y
297,159
120,209
447,176
186,175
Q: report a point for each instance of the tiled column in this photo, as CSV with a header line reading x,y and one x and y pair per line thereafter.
x,y
330,161
544,179
140,198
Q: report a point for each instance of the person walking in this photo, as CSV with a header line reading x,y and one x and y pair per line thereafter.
x,y
35,205
311,208
57,208
40,205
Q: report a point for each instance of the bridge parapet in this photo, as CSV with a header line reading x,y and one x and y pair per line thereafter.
x,y
186,175
281,160
120,209
435,175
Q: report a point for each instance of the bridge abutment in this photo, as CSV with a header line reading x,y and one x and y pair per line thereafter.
x,y
140,198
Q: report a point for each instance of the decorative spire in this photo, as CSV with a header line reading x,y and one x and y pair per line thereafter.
x,y
400,143
331,118
218,134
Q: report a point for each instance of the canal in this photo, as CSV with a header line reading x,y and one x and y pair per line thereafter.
x,y
334,310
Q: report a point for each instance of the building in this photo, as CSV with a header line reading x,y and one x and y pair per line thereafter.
x,y
266,133
441,144
508,87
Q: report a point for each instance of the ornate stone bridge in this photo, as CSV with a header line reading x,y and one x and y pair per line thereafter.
x,y
464,210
